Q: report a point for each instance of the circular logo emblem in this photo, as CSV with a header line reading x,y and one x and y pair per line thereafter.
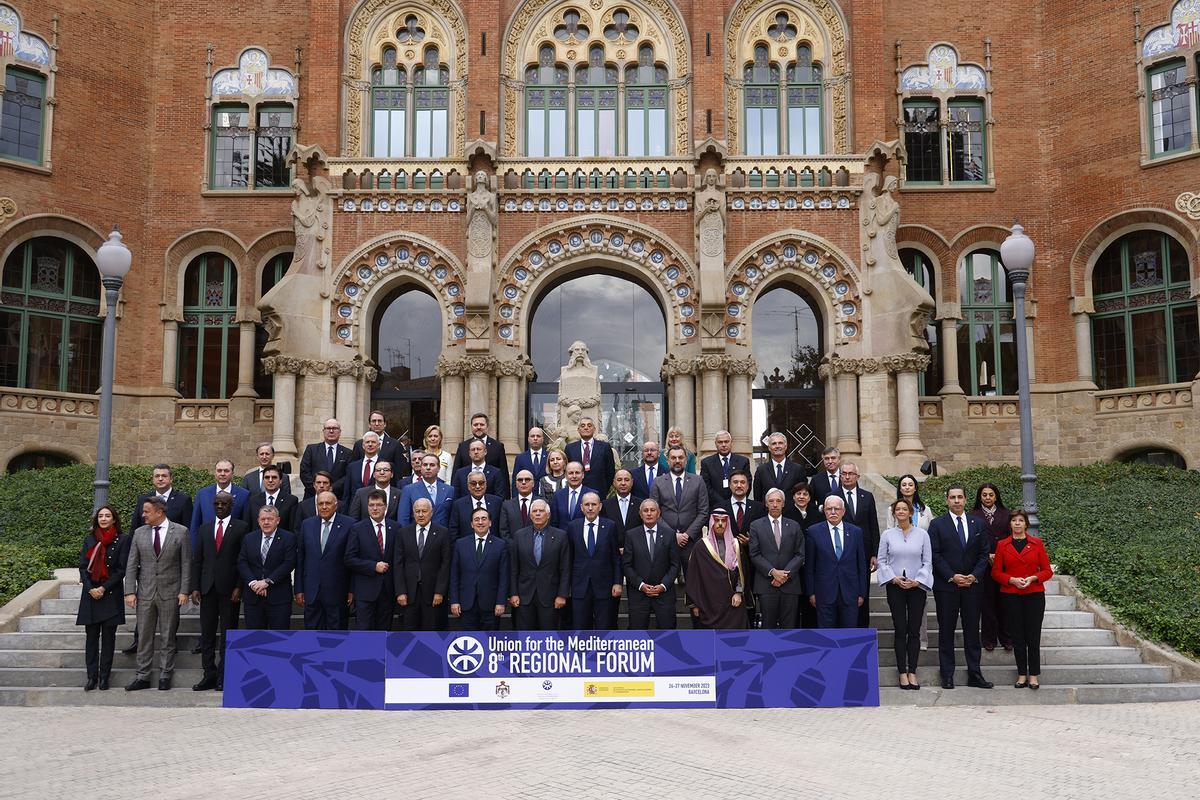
x,y
465,655
547,686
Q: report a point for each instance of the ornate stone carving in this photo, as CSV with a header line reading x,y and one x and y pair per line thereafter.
x,y
356,367
481,240
8,209
899,362
578,393
989,408
906,362
466,365
312,217
742,366
710,222
54,403
206,411
1188,203
1132,401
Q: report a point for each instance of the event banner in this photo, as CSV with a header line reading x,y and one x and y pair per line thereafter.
x,y
552,669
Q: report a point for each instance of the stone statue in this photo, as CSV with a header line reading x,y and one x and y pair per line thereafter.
x,y
310,219
710,221
481,219
578,394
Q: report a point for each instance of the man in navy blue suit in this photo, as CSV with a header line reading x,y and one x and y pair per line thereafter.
x,y
497,480
717,469
476,497
265,566
835,568
533,458
202,509
324,583
495,448
361,473
179,504
960,545
566,499
599,463
431,487
646,470
326,455
595,568
514,513
479,576
370,553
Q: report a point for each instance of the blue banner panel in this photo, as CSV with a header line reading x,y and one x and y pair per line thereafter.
x,y
304,669
797,668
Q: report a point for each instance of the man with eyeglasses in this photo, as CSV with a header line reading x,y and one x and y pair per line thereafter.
x,y
327,455
382,480
514,513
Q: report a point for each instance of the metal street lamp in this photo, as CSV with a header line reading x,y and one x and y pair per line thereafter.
x,y
1017,253
113,260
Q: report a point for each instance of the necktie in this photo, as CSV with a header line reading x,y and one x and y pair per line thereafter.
x,y
624,501
366,472
725,466
740,515
324,535
833,482
587,453
270,500
379,534
778,535
850,504
650,476
329,455
591,542
962,534
650,541
266,547
571,505
678,493
779,473
157,541
478,550
220,533
162,497
537,547
432,487
421,541
524,511
837,543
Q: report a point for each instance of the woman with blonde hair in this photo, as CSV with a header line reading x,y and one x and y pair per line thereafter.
x,y
556,474
433,447
675,439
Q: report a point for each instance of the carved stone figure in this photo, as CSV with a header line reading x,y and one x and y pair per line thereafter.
x,y
578,394
710,222
310,219
481,221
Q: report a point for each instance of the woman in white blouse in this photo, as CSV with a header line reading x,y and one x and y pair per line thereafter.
x,y
905,567
911,491
433,446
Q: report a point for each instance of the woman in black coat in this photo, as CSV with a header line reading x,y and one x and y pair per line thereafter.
x,y
101,604
990,508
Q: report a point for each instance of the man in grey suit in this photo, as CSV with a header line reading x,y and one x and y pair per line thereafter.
x,y
252,482
683,500
777,553
383,474
540,565
158,579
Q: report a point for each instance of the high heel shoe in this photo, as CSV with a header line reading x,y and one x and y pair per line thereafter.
x,y
1034,686
1021,683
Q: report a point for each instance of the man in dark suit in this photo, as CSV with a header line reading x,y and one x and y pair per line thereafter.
x,y
777,554
596,456
650,564
533,458
252,481
835,569
622,507
514,513
202,509
265,565
495,449
960,544
421,570
860,511
307,508
361,472
460,512
326,455
497,479
716,469
370,555
272,494
323,581
743,511
389,449
179,511
382,481
430,486
828,479
216,587
777,472
566,500
682,500
539,564
646,471
595,568
479,576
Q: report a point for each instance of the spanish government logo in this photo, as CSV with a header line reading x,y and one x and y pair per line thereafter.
x,y
465,655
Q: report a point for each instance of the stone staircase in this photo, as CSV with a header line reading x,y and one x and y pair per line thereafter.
x,y
41,663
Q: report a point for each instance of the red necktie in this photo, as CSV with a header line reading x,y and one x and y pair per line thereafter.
x,y
366,471
587,453
379,533
740,517
220,533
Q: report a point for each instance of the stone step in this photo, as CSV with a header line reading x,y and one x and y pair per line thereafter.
x,y
74,659
1056,656
1047,695
1059,637
1054,602
1057,675
116,696
37,676
882,620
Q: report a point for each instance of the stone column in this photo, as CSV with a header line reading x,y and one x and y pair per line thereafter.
x,y
478,385
1081,308
245,375
908,414
346,375
170,353
741,377
683,392
847,406
950,381
714,414
452,407
283,435
509,423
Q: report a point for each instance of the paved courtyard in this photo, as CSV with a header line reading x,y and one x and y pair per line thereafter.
x,y
1112,751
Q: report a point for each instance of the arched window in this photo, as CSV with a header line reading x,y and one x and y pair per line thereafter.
x,y
1158,456
28,65
546,106
782,116
1169,57
50,331
431,104
762,105
804,104
410,118
389,107
1145,330
919,266
987,345
646,106
209,337
253,120
272,273
406,342
596,106
39,459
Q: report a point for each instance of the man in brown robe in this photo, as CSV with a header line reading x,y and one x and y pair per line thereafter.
x,y
715,580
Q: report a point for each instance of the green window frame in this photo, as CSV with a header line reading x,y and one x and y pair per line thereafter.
x,y
1169,114
546,107
23,116
646,94
248,157
210,336
966,141
986,335
760,103
805,105
1145,330
272,273
922,271
923,142
50,328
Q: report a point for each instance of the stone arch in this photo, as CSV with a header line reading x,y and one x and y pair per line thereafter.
x,y
977,237
827,23
209,240
523,28
649,256
935,256
1107,231
1117,450
366,24
811,262
266,247
59,448
366,276
73,230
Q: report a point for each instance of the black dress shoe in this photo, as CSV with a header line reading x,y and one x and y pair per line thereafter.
x,y
104,684
197,650
1020,685
137,684
91,683
979,682
220,687
1035,686
947,683
916,687
164,684
132,649
209,682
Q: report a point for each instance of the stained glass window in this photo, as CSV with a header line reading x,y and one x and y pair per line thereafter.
x,y
209,337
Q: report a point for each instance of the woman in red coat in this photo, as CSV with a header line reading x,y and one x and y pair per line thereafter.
x,y
1022,569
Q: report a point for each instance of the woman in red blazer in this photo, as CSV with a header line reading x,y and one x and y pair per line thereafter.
x,y
1022,569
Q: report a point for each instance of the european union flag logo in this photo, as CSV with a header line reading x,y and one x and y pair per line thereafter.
x,y
460,690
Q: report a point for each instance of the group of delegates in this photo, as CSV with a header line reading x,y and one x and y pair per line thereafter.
x,y
384,530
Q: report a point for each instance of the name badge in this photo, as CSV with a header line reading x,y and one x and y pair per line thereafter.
x,y
587,467
725,483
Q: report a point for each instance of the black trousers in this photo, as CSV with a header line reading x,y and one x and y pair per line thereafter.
x,y
419,616
864,611
641,607
1023,615
218,614
837,615
323,615
993,627
268,616
534,616
778,610
374,615
98,645
908,609
950,606
590,613
479,618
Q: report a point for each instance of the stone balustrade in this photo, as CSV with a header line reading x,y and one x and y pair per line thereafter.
x,y
61,404
1169,397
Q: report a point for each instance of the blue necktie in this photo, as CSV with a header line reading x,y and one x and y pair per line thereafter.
x,y
591,539
837,543
678,492
962,534
432,487
537,547
725,467
779,473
